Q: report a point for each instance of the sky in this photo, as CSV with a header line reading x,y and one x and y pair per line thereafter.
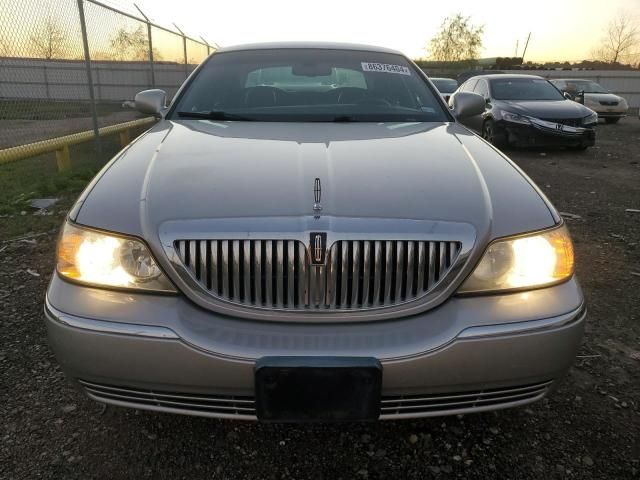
x,y
560,30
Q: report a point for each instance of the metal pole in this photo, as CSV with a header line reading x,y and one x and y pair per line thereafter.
x,y
525,47
153,73
87,64
184,46
207,44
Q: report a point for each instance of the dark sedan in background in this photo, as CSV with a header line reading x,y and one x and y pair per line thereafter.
x,y
446,86
527,111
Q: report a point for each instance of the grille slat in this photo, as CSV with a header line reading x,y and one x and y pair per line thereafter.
x,y
355,274
377,275
279,274
388,272
366,272
359,274
411,264
302,274
399,273
344,279
235,261
214,268
268,273
431,278
224,267
246,271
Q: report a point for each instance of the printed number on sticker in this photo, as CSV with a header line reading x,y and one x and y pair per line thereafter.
x,y
385,68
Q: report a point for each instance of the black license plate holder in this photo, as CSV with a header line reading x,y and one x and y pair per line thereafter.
x,y
318,389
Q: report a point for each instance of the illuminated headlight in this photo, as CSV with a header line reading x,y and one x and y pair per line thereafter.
x,y
101,259
524,262
514,117
593,118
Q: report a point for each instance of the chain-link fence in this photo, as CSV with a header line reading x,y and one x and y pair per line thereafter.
x,y
68,66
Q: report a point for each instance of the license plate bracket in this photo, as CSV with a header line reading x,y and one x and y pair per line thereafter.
x,y
318,389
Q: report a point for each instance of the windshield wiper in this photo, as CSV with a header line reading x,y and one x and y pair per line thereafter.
x,y
215,115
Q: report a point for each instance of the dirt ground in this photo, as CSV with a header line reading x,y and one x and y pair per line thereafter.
x,y
589,429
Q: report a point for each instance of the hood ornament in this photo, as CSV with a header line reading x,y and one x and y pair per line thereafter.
x,y
317,196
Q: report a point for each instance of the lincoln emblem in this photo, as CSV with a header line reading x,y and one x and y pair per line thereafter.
x,y
317,247
317,195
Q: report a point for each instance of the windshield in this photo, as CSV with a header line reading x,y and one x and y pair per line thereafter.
x,y
584,85
302,85
524,89
445,85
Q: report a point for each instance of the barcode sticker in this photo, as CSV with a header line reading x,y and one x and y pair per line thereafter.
x,y
385,68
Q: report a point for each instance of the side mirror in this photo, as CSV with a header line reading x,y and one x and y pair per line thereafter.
x,y
152,102
467,104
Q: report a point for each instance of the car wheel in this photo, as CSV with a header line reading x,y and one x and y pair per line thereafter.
x,y
491,135
612,120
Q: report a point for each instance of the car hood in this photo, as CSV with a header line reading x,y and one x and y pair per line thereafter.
x,y
547,109
246,174
603,97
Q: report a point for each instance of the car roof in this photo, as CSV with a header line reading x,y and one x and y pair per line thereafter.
x,y
320,45
573,79
507,76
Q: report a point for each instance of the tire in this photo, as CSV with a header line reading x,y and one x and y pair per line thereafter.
x,y
489,133
612,120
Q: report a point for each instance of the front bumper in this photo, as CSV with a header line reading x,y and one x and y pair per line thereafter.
x,y
542,135
163,353
611,114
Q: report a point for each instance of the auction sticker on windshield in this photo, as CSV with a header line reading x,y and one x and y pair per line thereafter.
x,y
385,68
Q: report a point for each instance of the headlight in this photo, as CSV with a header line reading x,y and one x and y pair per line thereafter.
x,y
524,262
101,259
514,117
593,118
590,102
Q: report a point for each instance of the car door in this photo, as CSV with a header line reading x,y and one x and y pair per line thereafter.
x,y
482,89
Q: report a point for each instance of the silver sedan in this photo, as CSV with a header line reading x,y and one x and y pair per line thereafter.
x,y
308,234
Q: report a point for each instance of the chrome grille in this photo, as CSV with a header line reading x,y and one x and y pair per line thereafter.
x,y
459,402
262,273
359,274
570,122
366,274
193,404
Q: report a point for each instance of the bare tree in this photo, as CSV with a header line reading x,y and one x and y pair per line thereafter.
x,y
50,40
458,39
131,45
621,41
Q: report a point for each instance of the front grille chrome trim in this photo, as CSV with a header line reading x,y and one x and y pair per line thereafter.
x,y
272,274
319,295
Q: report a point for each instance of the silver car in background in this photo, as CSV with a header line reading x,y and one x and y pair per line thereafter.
x,y
607,105
308,234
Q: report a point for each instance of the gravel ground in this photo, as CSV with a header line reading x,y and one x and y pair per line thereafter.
x,y
589,429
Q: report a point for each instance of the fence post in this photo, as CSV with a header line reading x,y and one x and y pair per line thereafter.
x,y
46,81
184,46
207,44
153,73
87,63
